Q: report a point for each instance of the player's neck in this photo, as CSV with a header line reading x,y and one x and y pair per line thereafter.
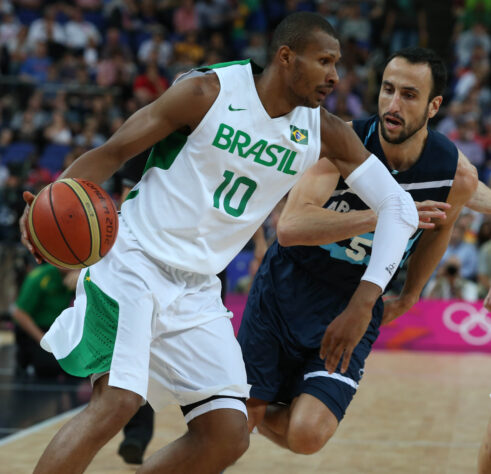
x,y
273,93
403,155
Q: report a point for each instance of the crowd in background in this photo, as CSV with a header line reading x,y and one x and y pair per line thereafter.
x,y
72,72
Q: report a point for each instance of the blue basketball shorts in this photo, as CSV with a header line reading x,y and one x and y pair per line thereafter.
x,y
280,334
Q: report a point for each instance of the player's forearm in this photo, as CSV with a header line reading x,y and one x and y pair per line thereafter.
x,y
423,262
313,225
481,199
397,218
94,165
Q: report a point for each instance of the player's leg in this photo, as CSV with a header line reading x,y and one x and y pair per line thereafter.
x,y
484,461
256,410
78,441
101,334
214,441
259,338
202,368
310,425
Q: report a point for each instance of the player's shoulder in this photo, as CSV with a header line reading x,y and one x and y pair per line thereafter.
x,y
197,85
466,177
330,122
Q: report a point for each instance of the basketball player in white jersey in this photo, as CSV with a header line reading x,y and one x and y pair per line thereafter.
x,y
148,322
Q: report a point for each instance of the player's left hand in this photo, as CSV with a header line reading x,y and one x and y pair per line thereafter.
x,y
429,211
342,336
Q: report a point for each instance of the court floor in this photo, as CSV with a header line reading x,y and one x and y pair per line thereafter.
x,y
414,413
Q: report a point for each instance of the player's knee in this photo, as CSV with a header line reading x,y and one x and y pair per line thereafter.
x,y
223,438
115,407
304,437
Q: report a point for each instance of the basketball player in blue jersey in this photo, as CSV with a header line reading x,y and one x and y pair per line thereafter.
x,y
148,322
324,244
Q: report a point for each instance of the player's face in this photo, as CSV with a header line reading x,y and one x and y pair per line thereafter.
x,y
314,74
403,105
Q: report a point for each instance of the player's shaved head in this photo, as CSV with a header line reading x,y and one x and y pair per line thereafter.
x,y
296,30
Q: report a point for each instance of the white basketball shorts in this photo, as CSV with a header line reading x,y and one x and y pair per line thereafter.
x,y
160,332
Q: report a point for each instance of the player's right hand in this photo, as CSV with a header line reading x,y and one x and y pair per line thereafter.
x,y
24,237
430,210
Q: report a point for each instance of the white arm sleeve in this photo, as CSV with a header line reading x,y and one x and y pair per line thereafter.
x,y
397,217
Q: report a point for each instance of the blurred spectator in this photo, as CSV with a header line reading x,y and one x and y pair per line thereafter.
x,y
213,15
11,203
217,44
343,102
9,29
44,294
89,137
80,32
405,24
257,50
18,49
58,131
484,269
354,25
114,44
149,85
186,18
476,11
35,67
448,125
34,111
68,68
110,70
465,251
48,31
468,40
440,32
329,10
449,284
475,77
156,44
91,55
189,51
465,139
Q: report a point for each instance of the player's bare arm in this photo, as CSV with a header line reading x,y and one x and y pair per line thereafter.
x,y
304,220
181,107
433,242
481,199
341,144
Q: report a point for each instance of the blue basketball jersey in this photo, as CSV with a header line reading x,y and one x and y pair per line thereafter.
x,y
342,264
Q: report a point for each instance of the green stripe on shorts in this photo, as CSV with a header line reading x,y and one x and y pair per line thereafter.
x,y
94,352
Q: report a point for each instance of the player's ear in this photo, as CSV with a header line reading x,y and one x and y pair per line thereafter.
x,y
285,55
434,106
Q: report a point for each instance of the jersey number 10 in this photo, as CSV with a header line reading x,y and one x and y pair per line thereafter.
x,y
248,187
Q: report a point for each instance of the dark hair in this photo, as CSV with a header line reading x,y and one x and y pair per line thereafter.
x,y
295,31
426,56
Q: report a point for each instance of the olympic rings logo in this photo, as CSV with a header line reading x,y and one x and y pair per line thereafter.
x,y
474,319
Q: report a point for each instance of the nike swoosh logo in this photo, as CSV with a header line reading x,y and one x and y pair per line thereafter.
x,y
234,110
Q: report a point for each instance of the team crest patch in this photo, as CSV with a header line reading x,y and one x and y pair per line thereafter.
x,y
299,135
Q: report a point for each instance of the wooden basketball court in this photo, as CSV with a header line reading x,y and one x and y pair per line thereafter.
x,y
414,413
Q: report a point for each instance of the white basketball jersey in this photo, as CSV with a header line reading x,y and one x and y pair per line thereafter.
x,y
203,196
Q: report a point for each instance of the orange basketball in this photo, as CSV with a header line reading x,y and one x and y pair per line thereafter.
x,y
72,223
